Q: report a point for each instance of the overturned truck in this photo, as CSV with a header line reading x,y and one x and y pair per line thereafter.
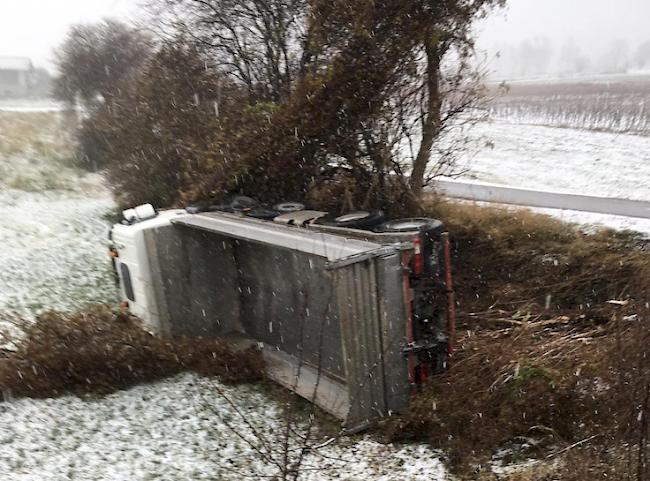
x,y
353,319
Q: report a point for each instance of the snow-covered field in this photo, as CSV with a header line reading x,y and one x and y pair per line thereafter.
x,y
563,160
182,429
54,253
52,230
560,159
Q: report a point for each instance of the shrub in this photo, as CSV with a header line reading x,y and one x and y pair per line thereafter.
x,y
550,377
99,351
161,139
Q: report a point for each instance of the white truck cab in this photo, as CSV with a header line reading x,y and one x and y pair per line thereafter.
x,y
131,262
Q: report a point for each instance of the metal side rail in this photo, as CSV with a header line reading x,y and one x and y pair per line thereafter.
x,y
502,194
332,247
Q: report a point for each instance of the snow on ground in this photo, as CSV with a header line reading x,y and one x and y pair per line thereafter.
x,y
52,230
54,250
558,159
588,219
177,430
563,160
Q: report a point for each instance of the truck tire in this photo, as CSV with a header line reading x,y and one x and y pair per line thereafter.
x,y
413,224
355,220
428,231
263,213
287,207
242,203
221,208
197,209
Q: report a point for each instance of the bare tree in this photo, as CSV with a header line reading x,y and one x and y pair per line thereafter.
x,y
357,95
254,42
96,61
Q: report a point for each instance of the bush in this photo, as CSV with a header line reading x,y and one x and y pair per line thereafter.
x,y
527,374
161,139
100,351
513,258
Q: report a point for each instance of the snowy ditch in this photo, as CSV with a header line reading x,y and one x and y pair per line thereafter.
x,y
54,256
181,429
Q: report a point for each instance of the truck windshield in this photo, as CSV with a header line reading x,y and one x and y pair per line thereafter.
x,y
126,282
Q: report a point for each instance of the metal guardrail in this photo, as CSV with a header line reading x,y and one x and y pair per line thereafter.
x,y
500,194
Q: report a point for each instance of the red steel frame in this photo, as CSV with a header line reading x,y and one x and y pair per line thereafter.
x,y
451,296
410,336
451,309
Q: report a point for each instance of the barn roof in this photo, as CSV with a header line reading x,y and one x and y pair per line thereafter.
x,y
15,63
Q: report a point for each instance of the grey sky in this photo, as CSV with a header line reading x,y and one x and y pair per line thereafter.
x,y
593,24
34,27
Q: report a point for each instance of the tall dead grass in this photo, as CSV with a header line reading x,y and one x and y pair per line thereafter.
x,y
100,351
514,258
36,152
567,378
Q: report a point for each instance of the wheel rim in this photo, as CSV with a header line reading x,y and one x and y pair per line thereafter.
x,y
289,207
407,224
352,216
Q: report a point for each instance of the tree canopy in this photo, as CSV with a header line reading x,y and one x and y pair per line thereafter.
x,y
340,102
96,60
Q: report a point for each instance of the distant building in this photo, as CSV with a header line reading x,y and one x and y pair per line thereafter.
x,y
16,76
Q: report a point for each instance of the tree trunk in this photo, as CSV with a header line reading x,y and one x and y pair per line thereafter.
x,y
431,120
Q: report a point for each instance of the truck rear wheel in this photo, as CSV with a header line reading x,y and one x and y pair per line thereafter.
x,y
355,220
414,224
263,213
287,207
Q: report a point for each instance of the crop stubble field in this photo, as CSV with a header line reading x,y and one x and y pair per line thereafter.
x,y
587,137
606,104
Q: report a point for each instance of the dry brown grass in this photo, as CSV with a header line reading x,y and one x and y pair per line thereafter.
x,y
513,258
36,152
100,351
40,133
549,380
555,375
576,465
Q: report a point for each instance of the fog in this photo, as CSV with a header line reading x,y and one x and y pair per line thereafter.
x,y
529,38
567,37
33,28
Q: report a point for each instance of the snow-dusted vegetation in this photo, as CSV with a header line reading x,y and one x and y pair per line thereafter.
x,y
52,230
181,429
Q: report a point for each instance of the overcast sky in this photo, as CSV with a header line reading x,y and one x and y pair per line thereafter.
x,y
33,28
593,24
